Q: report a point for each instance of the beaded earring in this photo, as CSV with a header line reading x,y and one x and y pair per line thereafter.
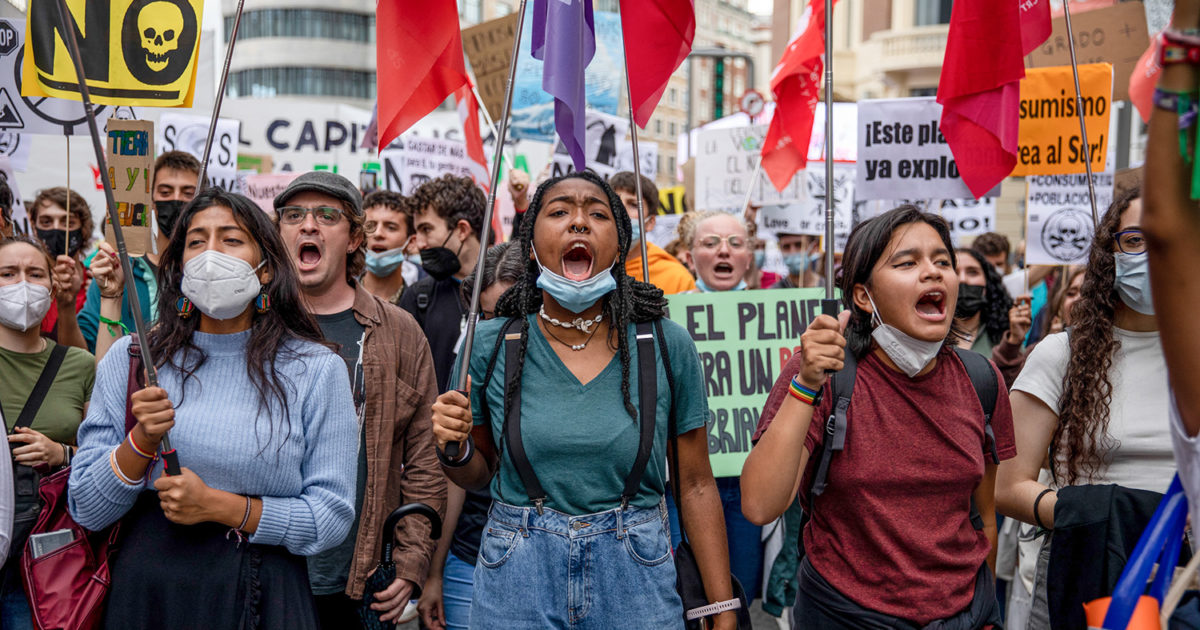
x,y
262,303
185,307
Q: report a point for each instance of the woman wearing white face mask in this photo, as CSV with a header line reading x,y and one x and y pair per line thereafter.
x,y
261,415
899,535
41,425
1095,396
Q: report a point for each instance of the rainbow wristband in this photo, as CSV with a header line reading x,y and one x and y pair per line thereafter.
x,y
137,449
802,393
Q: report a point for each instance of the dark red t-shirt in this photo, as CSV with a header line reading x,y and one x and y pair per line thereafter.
x,y
892,531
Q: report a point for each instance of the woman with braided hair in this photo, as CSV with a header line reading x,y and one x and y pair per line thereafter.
x,y
576,535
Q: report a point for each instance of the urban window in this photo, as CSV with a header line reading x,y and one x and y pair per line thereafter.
x,y
671,165
930,12
925,91
674,95
671,127
307,23
269,82
471,11
658,127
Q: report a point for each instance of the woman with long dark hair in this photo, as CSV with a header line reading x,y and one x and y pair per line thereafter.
x,y
261,415
1094,397
573,537
902,531
981,315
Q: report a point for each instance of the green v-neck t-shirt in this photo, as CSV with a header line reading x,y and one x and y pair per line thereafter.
x,y
62,410
580,439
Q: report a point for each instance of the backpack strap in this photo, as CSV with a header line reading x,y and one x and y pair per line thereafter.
x,y
987,389
424,298
648,401
491,366
137,380
512,422
41,387
841,387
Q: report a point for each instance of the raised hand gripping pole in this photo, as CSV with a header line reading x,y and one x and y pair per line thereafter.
x,y
170,458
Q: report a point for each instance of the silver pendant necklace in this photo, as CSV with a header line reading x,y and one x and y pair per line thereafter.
x,y
582,325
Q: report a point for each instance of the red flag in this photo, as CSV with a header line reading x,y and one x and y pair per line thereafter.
x,y
468,113
419,61
658,36
1035,24
1144,78
796,84
980,90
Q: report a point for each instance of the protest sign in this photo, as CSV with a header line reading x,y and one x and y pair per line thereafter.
x,y
671,200
134,52
902,152
606,149
845,131
1049,123
20,217
130,148
262,188
1116,34
744,338
1060,228
489,49
419,160
182,132
807,216
726,159
969,217
16,147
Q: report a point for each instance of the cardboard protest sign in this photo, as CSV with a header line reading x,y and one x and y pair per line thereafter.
x,y
262,188
182,132
902,152
1116,34
135,52
419,160
1060,229
1049,128
130,148
489,49
726,159
744,338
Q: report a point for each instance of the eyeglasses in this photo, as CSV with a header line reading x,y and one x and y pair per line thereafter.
x,y
712,241
1131,242
324,215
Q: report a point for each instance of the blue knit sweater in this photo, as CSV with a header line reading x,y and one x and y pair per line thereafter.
x,y
304,473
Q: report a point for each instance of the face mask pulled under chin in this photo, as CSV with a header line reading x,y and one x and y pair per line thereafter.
x,y
909,354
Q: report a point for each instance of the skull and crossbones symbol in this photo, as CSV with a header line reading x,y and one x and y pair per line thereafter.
x,y
1067,234
160,24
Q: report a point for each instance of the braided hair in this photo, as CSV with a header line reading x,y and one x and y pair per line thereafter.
x,y
631,302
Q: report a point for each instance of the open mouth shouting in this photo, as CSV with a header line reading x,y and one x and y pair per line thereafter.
x,y
308,256
932,306
577,261
723,271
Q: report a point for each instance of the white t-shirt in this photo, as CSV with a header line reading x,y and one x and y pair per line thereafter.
x,y
1187,456
1137,416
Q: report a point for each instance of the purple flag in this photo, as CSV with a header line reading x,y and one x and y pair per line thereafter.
x,y
564,38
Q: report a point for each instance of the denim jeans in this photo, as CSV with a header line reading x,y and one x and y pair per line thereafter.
x,y
457,584
14,609
743,537
598,571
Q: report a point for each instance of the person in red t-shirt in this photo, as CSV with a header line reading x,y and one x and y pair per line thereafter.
x,y
890,542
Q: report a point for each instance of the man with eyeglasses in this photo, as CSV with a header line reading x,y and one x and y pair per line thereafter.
x,y
320,220
666,272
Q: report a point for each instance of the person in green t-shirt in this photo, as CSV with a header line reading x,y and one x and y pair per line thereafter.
x,y
27,291
583,529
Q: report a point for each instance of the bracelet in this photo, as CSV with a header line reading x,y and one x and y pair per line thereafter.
x,y
1037,516
246,518
713,609
137,449
66,454
803,394
112,460
1185,37
463,458
112,324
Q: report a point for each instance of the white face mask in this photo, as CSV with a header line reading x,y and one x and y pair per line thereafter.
x,y
909,354
1133,282
23,305
220,285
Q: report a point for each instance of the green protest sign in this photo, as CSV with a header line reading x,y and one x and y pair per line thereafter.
x,y
744,338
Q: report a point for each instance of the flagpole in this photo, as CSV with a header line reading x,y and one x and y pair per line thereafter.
x,y
753,182
637,175
170,458
67,224
452,449
1087,149
829,305
212,123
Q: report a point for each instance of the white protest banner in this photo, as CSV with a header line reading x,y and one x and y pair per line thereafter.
x,y
726,159
16,146
606,149
1059,231
19,216
262,188
419,160
187,133
808,215
969,217
845,133
903,154
622,161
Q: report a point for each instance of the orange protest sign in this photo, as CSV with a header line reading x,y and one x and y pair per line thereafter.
x,y
1049,133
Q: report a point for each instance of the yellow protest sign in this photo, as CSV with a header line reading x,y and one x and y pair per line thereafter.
x,y
671,200
1049,133
135,52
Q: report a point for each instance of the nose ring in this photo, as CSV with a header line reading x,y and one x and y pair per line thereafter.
x,y
578,229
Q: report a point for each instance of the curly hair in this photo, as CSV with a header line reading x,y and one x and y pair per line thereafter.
x,y
453,199
632,300
1081,438
393,201
995,312
79,208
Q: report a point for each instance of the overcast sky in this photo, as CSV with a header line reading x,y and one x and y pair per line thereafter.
x,y
761,6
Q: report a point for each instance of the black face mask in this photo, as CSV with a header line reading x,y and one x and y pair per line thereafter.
x,y
971,300
54,241
168,213
440,262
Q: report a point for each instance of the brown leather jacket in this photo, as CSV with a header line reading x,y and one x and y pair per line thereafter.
x,y
402,466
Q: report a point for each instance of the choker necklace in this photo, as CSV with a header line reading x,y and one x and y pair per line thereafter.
x,y
573,346
579,323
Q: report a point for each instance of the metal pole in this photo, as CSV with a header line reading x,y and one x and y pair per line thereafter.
x,y
829,305
637,176
452,449
170,458
212,123
67,224
1087,149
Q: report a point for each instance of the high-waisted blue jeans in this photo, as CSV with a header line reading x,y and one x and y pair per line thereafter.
x,y
598,571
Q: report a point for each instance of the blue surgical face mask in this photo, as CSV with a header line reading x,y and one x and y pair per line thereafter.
x,y
760,257
382,264
1133,282
636,234
576,296
704,288
414,259
800,262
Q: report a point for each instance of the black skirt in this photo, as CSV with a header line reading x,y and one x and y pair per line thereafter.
x,y
178,577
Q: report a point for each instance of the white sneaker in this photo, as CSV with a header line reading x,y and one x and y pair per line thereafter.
x,y
410,612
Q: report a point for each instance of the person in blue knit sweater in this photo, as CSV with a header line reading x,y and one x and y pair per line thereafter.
x,y
261,415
